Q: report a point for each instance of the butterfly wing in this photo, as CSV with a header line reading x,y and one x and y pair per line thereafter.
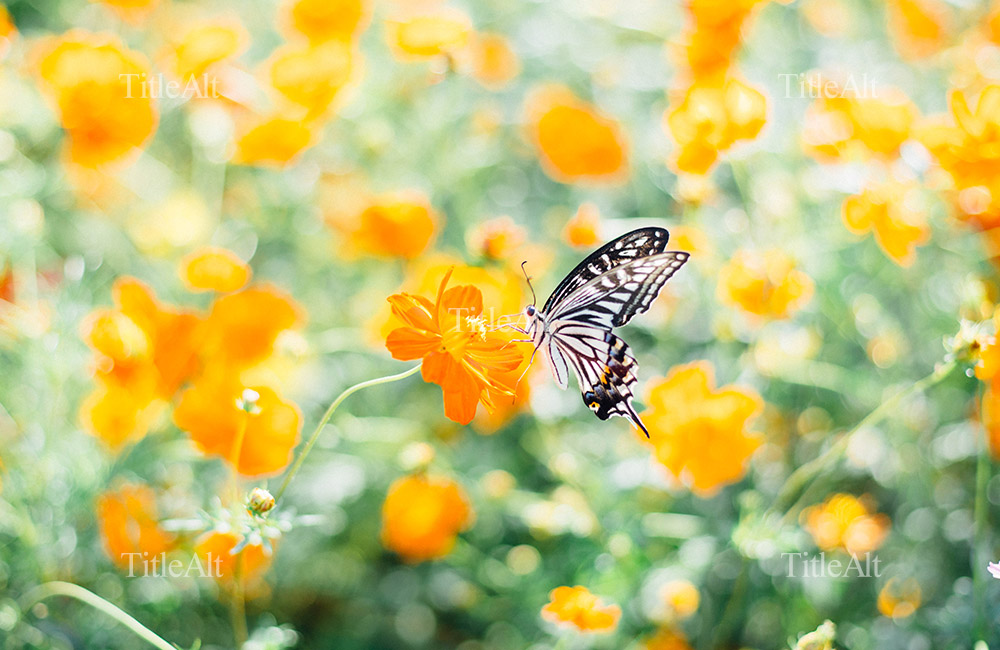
x,y
612,298
627,248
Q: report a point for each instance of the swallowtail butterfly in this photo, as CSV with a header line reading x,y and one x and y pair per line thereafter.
x,y
605,290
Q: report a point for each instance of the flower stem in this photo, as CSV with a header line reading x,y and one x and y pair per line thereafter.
x,y
237,602
326,418
980,541
70,590
801,478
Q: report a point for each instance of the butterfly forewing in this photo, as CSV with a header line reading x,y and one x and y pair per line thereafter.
x,y
631,246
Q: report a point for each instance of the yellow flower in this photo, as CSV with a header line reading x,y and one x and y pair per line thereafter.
x,y
919,28
311,76
129,525
899,600
681,597
202,46
842,126
130,10
666,639
496,239
893,212
400,224
714,34
844,522
214,269
491,60
422,515
583,230
428,35
251,427
713,115
275,141
699,432
7,28
94,82
321,21
575,141
969,151
578,608
764,284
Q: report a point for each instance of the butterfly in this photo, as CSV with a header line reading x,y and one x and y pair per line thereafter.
x,y
604,291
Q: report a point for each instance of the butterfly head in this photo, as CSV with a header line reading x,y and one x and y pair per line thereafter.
x,y
530,311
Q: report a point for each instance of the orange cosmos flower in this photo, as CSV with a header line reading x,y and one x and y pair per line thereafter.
x,y
491,60
899,600
216,548
321,21
128,521
713,115
214,269
892,211
577,607
242,327
496,239
130,10
273,141
459,353
575,141
919,28
764,284
666,639
842,126
422,515
991,401
844,522
399,224
95,84
969,151
251,427
714,34
7,28
201,47
311,76
699,432
993,24
422,36
583,230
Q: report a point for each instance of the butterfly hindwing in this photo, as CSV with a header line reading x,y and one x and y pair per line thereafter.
x,y
630,246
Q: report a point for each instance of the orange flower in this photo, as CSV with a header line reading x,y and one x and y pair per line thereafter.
x,y
919,28
202,46
764,284
311,76
428,35
128,521
117,414
459,353
496,239
274,141
842,126
577,607
130,10
422,515
242,327
94,82
7,28
991,400
400,224
216,550
969,151
891,210
251,427
214,269
713,115
583,230
491,60
666,639
327,20
844,522
699,432
897,600
714,34
575,141
681,597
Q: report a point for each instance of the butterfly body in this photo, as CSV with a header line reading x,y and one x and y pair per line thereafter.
x,y
604,291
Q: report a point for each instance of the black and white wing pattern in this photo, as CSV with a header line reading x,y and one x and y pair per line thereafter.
x,y
606,290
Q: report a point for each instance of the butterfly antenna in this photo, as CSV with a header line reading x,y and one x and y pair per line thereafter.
x,y
523,270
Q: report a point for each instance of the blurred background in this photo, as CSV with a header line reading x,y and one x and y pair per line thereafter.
x,y
205,206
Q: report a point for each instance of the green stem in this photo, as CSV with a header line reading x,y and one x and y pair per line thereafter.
x,y
806,474
70,590
326,418
237,604
980,547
